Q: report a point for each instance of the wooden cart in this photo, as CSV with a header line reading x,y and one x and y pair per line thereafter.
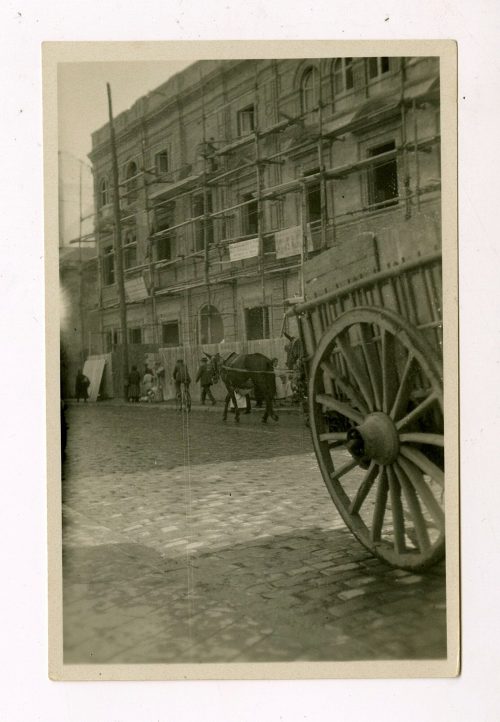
x,y
373,353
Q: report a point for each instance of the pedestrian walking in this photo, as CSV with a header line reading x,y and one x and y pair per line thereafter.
x,y
182,378
134,385
205,377
82,384
159,373
181,375
280,380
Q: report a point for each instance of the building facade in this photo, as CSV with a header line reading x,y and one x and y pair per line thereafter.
x,y
235,173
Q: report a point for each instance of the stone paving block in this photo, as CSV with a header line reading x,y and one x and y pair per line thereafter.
x,y
254,537
351,594
360,581
411,580
345,608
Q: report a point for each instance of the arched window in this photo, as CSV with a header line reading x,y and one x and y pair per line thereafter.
x,y
103,192
342,76
309,90
211,325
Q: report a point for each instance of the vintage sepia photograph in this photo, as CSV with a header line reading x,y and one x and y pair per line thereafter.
x,y
251,293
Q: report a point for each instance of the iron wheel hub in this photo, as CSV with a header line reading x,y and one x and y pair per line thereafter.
x,y
379,437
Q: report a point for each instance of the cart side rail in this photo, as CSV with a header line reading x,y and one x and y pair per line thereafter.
x,y
412,289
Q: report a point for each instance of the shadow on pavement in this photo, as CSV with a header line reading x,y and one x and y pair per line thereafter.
x,y
315,595
117,438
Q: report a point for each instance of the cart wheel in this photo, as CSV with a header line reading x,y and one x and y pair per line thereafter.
x,y
376,411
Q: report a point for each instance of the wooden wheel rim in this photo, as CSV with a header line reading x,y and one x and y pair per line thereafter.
x,y
409,488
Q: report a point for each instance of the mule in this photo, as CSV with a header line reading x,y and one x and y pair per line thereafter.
x,y
242,372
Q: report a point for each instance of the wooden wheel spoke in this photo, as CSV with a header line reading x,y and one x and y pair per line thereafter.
x,y
414,507
389,377
364,488
355,368
423,491
339,406
345,386
398,521
344,469
374,374
372,363
404,390
380,506
416,412
423,463
415,437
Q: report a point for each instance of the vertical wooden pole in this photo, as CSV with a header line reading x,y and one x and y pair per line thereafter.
x,y
206,214
147,209
406,177
415,148
321,163
118,245
258,167
80,269
303,218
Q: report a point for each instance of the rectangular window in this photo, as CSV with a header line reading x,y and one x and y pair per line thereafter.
x,y
163,248
130,250
170,333
130,256
257,322
383,178
246,120
161,162
377,66
250,215
269,245
163,216
108,266
111,340
135,335
313,199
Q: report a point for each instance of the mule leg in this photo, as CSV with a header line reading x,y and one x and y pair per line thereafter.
x,y
266,412
272,413
236,409
226,404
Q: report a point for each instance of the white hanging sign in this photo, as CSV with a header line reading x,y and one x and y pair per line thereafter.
x,y
135,289
244,249
288,242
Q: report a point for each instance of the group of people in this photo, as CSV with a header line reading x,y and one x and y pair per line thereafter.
x,y
149,386
205,376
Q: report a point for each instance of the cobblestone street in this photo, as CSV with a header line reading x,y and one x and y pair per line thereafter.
x,y
189,540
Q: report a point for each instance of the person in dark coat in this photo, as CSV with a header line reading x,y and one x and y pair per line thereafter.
x,y
205,377
181,375
82,384
134,385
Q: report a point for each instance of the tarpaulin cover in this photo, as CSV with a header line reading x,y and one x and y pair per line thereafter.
x,y
93,369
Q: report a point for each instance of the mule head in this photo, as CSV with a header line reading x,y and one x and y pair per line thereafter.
x,y
214,363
